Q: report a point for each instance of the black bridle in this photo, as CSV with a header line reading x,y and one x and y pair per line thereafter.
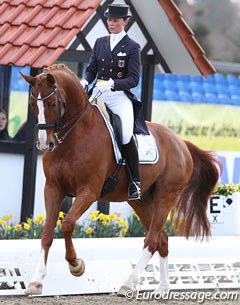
x,y
57,127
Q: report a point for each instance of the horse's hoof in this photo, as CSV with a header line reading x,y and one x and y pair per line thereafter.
x,y
126,292
79,269
34,288
161,290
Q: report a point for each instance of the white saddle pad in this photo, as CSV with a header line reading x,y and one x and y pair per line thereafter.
x,y
147,148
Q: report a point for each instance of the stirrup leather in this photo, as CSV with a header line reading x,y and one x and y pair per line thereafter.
x,y
134,190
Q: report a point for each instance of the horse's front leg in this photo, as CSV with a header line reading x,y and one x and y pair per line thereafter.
x,y
81,203
53,200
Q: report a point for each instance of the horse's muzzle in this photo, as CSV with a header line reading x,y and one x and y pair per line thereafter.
x,y
48,147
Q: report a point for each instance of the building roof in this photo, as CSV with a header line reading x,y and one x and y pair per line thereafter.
x,y
173,37
36,32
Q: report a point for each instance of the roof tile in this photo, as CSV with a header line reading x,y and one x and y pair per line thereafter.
x,y
62,16
12,33
79,19
183,29
3,7
6,13
36,32
5,28
29,15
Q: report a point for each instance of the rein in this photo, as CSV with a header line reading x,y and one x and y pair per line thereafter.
x,y
58,126
78,116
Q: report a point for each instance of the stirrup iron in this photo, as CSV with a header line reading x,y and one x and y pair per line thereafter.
x,y
134,190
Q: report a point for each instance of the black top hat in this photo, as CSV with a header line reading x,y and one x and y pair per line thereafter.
x,y
116,11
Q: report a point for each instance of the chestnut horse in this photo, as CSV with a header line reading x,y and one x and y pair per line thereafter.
x,y
78,158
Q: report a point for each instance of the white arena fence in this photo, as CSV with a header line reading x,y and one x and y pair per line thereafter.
x,y
109,261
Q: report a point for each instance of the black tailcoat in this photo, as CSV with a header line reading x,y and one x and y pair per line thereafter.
x,y
123,65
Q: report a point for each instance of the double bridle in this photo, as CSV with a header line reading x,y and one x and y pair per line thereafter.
x,y
57,127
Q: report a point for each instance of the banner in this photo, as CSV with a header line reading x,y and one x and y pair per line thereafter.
x,y
209,126
18,111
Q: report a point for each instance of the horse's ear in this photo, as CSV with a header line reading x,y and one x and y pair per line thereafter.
x,y
29,79
50,79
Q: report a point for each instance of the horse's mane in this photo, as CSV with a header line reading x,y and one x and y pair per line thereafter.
x,y
59,67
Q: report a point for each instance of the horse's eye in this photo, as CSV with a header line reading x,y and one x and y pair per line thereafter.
x,y
52,105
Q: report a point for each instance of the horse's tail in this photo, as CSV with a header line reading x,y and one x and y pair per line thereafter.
x,y
189,218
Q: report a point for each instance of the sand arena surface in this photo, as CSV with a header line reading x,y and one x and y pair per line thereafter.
x,y
110,299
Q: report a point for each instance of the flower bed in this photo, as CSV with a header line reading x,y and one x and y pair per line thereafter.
x,y
227,189
97,225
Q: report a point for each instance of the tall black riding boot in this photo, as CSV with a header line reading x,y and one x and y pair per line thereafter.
x,y
132,161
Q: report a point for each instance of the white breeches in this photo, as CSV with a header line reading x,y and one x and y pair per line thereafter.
x,y
119,103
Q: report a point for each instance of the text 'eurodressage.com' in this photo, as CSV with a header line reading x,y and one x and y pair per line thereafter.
x,y
199,296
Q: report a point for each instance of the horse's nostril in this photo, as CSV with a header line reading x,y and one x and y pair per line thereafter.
x,y
51,145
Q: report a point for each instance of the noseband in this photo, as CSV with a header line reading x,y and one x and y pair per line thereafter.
x,y
57,127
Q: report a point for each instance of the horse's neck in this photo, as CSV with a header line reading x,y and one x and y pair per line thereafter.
x,y
76,101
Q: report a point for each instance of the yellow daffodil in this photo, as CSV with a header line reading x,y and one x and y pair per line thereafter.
x,y
29,221
18,227
119,215
59,222
61,215
106,217
8,228
26,226
39,219
7,217
121,223
2,222
94,215
105,223
101,216
124,230
112,216
89,230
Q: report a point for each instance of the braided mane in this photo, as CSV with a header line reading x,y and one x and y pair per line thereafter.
x,y
59,67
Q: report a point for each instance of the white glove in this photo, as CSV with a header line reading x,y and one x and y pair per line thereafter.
x,y
84,83
105,85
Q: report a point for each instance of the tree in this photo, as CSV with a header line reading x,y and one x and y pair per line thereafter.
x,y
178,2
202,31
216,26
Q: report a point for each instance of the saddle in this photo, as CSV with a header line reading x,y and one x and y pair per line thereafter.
x,y
147,149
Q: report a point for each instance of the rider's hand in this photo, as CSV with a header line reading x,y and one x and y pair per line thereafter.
x,y
105,85
84,83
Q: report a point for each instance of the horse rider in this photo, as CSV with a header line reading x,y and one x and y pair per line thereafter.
x,y
116,62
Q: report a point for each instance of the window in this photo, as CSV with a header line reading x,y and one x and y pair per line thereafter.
x,y
18,105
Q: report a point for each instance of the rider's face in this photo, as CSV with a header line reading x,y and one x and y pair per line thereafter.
x,y
3,120
116,26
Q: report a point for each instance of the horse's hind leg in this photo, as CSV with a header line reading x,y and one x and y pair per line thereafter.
x,y
52,204
144,211
153,217
164,283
